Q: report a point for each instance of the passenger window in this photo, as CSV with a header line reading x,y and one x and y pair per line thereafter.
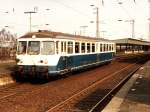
x,y
93,47
109,47
112,47
101,47
88,48
63,46
96,47
83,47
104,47
57,47
77,47
70,47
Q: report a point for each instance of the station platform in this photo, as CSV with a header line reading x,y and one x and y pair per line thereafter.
x,y
134,96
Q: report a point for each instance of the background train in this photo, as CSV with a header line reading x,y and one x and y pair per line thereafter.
x,y
44,53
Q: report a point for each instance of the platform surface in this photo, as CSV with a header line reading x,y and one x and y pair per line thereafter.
x,y
134,96
6,68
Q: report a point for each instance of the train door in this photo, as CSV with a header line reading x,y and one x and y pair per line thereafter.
x,y
69,60
97,51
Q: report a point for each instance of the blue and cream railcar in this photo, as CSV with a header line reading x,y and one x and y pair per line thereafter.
x,y
52,53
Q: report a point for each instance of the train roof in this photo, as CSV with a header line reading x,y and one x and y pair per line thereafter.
x,y
60,35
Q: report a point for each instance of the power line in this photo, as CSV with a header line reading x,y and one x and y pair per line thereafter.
x,y
69,7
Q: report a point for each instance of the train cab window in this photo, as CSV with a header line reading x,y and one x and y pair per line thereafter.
x,y
88,48
22,46
70,47
77,47
93,47
48,48
34,47
83,48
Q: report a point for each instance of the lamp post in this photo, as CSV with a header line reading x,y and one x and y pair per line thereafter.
x,y
83,27
132,21
149,20
30,14
103,33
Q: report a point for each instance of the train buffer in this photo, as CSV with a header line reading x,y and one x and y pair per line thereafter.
x,y
134,96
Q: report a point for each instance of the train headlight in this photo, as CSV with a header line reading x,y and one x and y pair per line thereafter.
x,y
45,61
41,61
17,60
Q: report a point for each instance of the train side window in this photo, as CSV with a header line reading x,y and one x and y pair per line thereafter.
x,y
97,47
113,47
77,47
70,47
57,47
83,48
101,47
93,47
109,47
104,47
88,48
62,47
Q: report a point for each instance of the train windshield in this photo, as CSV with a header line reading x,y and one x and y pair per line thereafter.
x,y
47,48
34,47
22,46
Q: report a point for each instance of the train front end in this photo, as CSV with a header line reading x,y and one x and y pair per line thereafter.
x,y
35,57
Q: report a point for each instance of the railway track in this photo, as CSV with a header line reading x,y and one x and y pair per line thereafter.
x,y
60,95
85,99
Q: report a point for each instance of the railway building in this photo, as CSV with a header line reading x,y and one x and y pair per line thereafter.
x,y
129,45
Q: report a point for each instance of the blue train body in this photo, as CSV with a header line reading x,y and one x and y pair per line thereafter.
x,y
68,53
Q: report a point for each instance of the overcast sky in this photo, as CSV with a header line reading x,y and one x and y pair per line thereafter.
x,y
68,15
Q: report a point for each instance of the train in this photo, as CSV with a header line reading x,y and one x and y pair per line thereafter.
x,y
48,53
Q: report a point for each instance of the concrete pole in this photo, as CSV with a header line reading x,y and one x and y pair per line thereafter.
x,y
133,28
97,23
30,18
149,20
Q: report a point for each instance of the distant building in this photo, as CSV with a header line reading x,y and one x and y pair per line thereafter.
x,y
7,39
7,45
